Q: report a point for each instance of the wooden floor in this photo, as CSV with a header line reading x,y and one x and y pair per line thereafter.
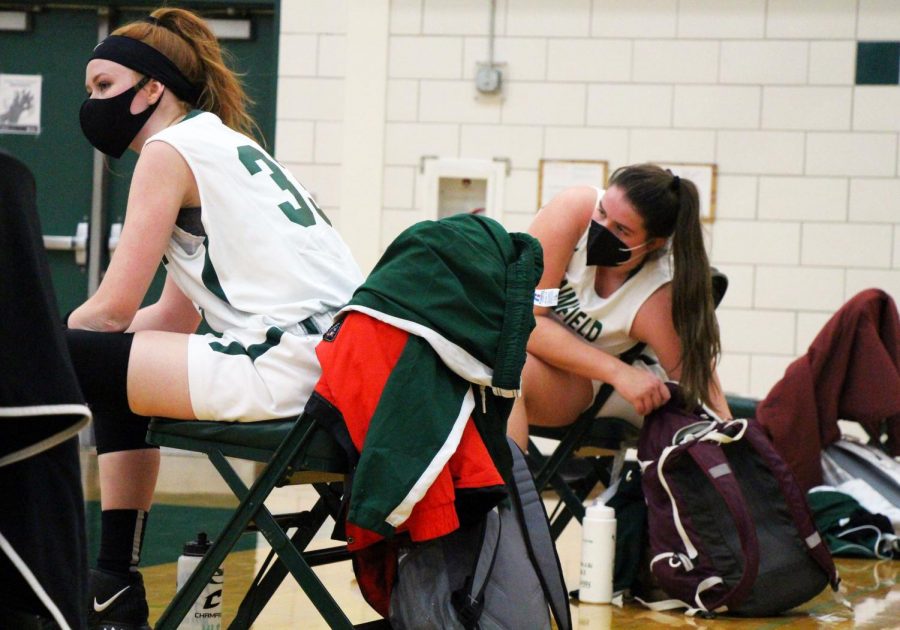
x,y
872,587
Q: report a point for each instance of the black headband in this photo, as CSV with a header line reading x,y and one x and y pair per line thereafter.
x,y
144,58
157,22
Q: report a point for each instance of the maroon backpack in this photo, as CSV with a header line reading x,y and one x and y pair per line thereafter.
x,y
730,529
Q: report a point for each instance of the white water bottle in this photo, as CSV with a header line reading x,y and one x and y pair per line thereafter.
x,y
206,613
598,553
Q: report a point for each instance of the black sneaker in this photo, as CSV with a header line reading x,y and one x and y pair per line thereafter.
x,y
118,602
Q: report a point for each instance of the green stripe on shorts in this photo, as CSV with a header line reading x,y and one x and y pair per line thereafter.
x,y
273,338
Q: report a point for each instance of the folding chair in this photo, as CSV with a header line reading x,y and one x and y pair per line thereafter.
x,y
298,448
595,447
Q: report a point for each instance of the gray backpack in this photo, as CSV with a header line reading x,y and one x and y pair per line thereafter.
x,y
499,573
849,459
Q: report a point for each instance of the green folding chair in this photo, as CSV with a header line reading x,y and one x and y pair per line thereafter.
x,y
289,448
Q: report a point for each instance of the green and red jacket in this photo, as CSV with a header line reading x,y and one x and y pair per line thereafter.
x,y
462,290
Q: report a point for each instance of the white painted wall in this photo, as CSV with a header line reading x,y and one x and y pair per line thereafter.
x,y
808,207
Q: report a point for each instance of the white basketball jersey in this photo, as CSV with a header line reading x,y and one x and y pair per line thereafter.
x,y
265,253
605,322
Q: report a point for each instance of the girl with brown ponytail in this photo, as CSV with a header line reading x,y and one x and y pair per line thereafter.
x,y
244,246
622,266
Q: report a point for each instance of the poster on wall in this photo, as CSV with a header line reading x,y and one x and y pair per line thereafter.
x,y
20,103
554,176
704,177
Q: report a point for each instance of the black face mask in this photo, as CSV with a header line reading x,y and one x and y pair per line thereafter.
x,y
108,123
605,249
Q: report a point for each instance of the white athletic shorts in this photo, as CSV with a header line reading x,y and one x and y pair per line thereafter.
x,y
617,407
249,375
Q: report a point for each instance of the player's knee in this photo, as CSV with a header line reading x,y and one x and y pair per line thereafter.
x,y
101,365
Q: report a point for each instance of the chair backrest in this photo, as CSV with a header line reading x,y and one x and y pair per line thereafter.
x,y
719,286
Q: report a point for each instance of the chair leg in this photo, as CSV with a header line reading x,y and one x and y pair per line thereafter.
x,y
575,494
253,508
561,453
301,571
214,557
548,476
572,505
267,581
289,555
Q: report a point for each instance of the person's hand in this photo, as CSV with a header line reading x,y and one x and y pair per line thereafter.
x,y
645,391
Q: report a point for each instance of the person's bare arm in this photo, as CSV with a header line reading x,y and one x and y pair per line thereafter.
x,y
162,181
173,312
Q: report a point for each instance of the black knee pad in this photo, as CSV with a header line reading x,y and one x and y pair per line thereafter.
x,y
121,430
101,363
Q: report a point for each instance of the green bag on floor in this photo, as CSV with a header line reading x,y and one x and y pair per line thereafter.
x,y
849,529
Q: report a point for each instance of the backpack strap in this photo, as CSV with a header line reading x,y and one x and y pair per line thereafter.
x,y
468,601
711,460
722,477
674,604
536,534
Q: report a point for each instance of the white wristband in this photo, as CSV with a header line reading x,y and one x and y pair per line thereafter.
x,y
546,297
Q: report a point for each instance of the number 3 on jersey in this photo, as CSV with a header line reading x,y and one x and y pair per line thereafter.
x,y
250,157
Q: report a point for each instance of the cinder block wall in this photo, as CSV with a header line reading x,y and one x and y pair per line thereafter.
x,y
808,203
310,106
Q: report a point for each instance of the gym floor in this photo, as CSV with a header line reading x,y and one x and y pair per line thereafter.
x,y
191,498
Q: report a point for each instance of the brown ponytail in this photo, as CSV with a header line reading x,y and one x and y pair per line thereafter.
x,y
184,37
670,207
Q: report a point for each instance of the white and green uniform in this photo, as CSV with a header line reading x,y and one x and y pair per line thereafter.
x,y
263,266
606,322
